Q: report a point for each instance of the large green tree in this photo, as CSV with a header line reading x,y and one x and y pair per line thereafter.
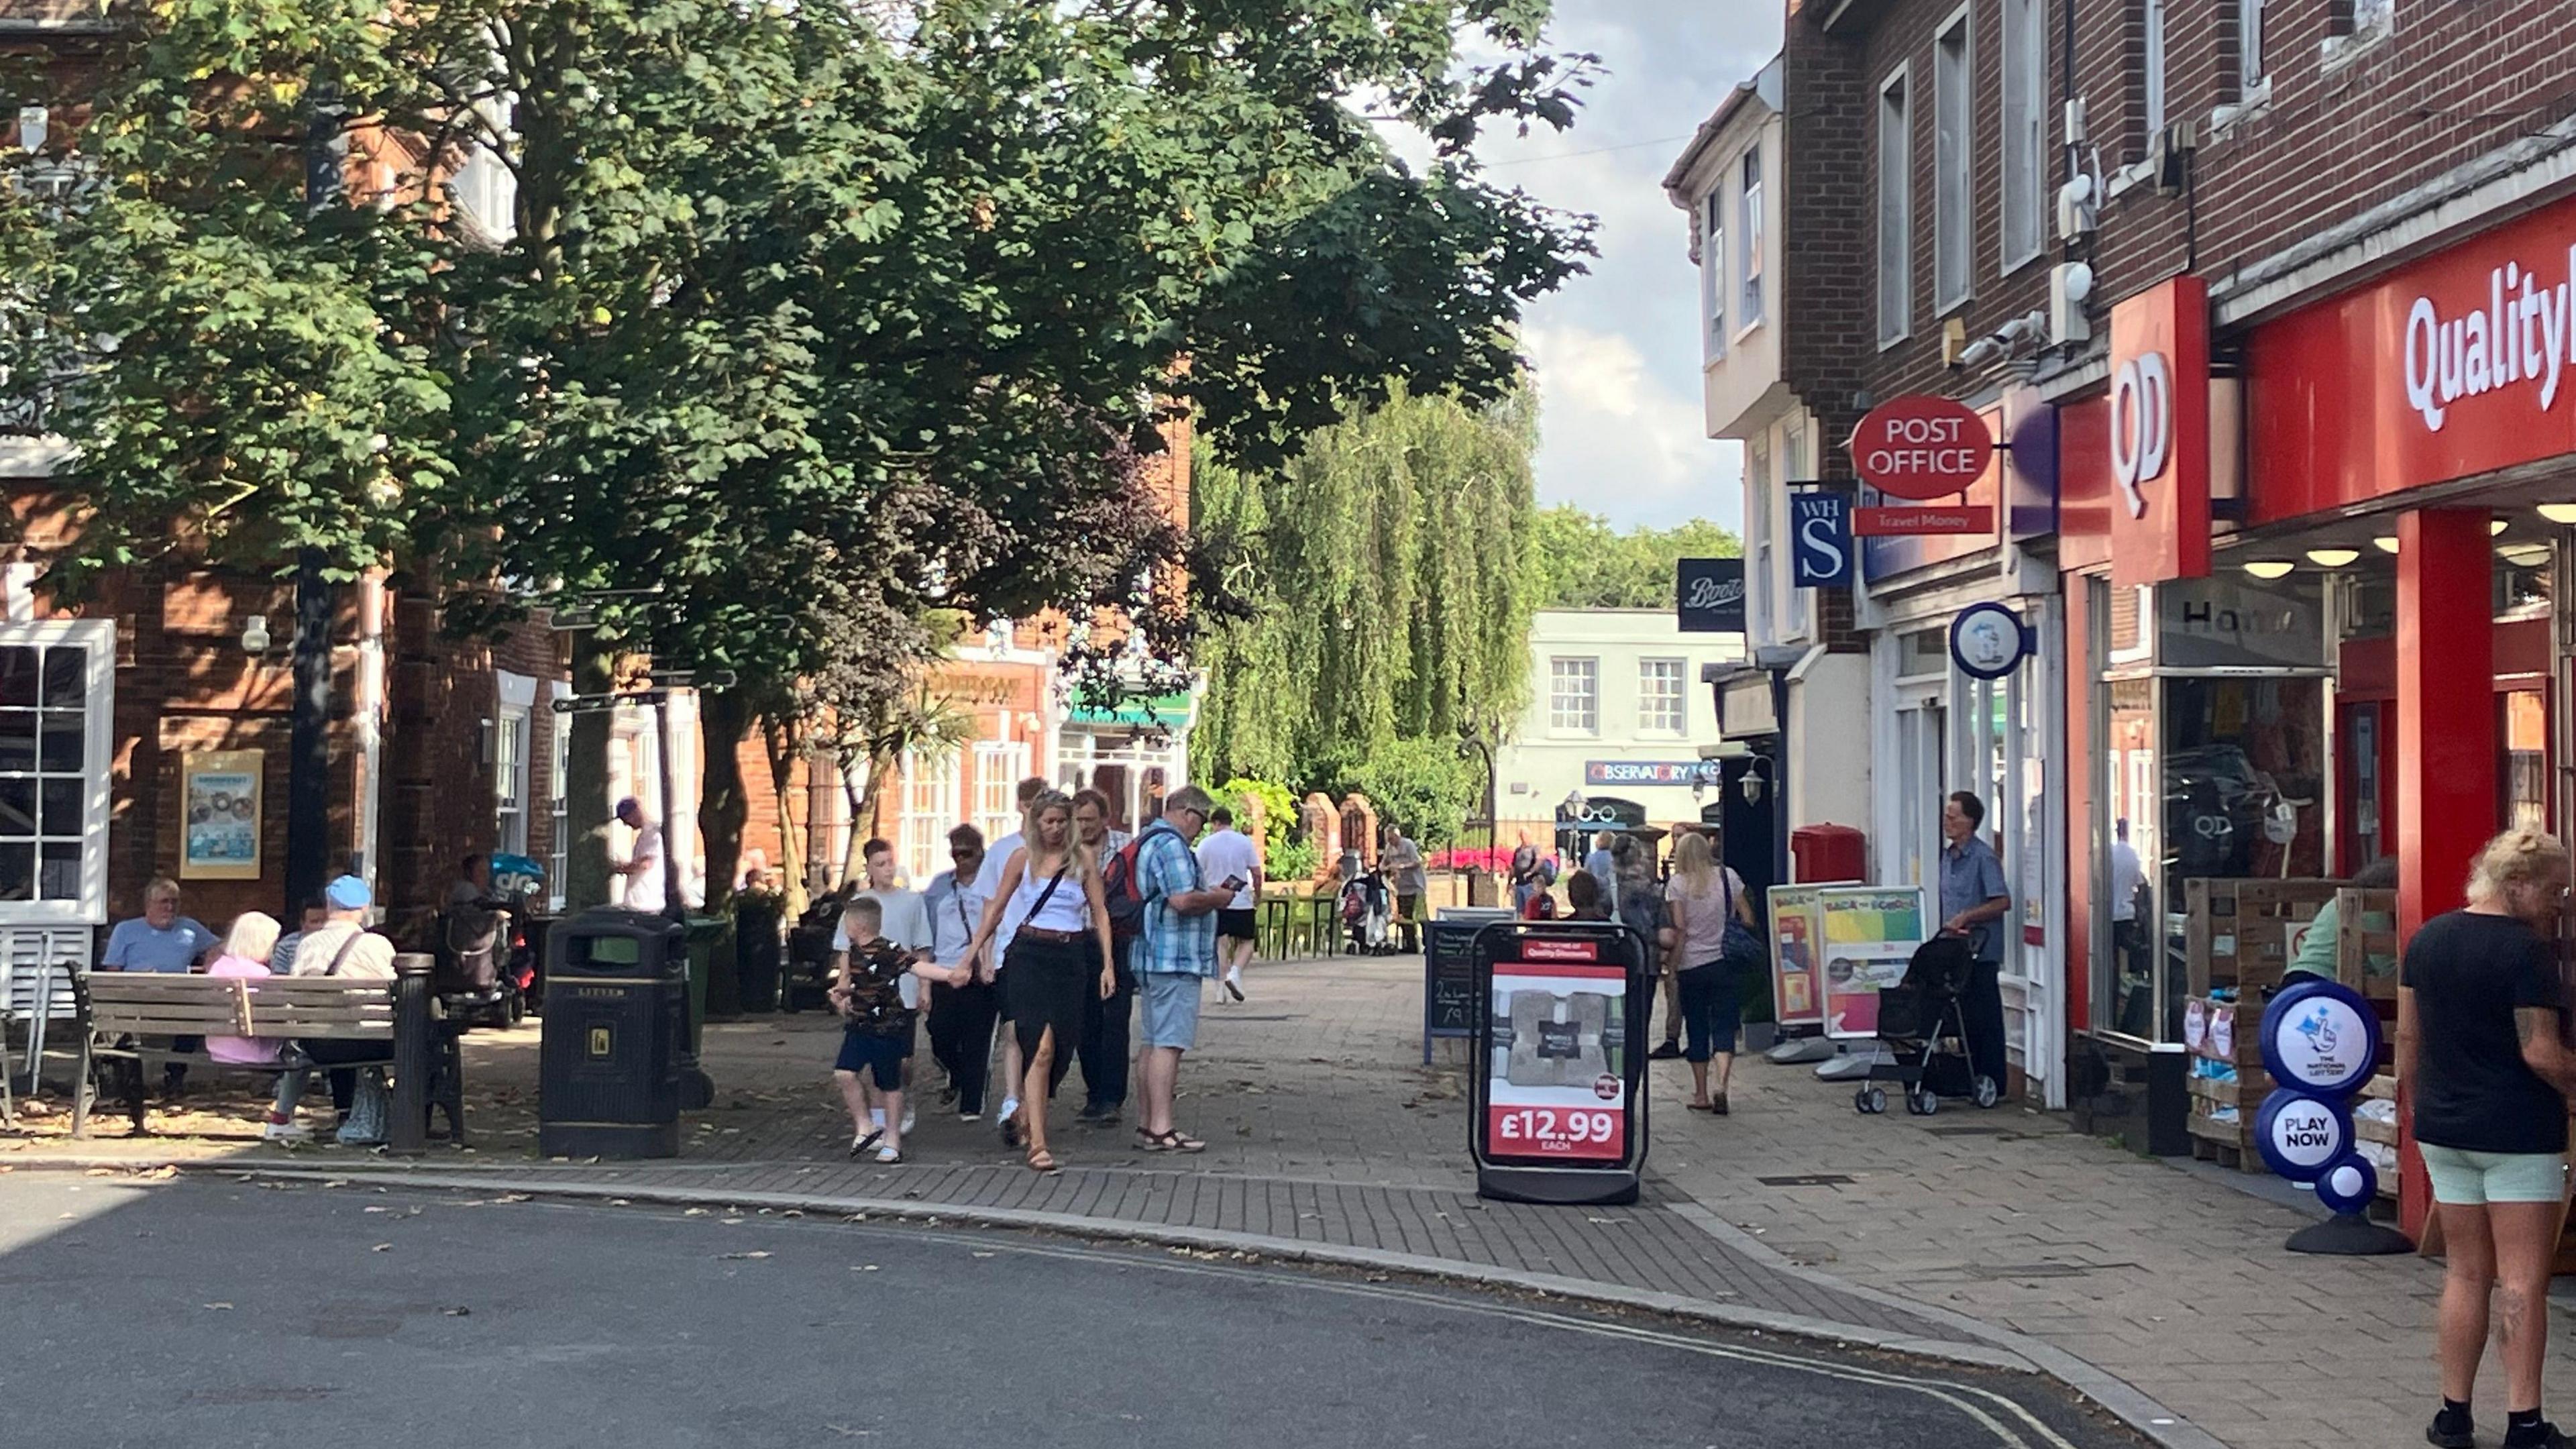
x,y
1385,567
813,320
1582,562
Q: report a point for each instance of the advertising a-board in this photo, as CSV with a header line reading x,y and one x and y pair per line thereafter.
x,y
1870,934
1556,1088
1797,936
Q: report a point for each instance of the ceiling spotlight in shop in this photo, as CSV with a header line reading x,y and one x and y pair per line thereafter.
x,y
2332,558
2496,526
2270,568
2385,543
2559,512
2524,555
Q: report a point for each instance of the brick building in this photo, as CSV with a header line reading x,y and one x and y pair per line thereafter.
x,y
2211,272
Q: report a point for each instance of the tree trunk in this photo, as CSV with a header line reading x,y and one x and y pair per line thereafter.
x,y
780,735
586,802
724,718
858,789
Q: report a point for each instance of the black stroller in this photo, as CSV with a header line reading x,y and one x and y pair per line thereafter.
x,y
1925,1033
1368,914
807,979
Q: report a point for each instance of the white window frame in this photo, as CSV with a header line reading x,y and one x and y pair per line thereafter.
x,y
2022,105
559,795
1793,468
933,805
98,740
1000,765
2253,73
1570,713
1760,498
1896,206
1712,273
1748,238
513,736
1954,79
2151,80
1661,713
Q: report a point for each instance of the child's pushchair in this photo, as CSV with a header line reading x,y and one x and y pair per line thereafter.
x,y
1368,914
1925,1033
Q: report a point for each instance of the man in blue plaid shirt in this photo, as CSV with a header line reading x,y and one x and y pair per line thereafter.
x,y
1174,955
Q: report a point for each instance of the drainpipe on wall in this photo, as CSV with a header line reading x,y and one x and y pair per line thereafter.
x,y
367,721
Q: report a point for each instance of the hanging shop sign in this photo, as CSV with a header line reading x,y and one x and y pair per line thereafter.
x,y
1709,593
1652,772
1922,447
1820,540
1898,522
1988,641
1797,934
2159,434
1870,933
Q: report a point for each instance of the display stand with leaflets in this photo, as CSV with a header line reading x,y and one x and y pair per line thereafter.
x,y
1559,1110
1449,972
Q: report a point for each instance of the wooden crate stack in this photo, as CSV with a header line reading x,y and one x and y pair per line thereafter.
x,y
2238,934
2366,960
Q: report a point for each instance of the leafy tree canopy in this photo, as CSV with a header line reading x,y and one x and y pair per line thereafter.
x,y
1581,562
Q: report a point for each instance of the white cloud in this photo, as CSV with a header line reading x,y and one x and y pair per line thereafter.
x,y
1617,351
1617,439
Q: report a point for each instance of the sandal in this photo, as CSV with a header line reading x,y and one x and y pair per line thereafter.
x,y
1146,1141
1172,1141
1043,1163
1701,1106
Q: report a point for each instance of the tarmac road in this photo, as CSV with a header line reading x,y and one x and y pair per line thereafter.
x,y
204,1312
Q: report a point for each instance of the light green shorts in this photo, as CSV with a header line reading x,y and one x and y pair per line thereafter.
x,y
2472,1179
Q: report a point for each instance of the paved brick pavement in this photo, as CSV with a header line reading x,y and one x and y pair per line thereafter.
x,y
1968,1227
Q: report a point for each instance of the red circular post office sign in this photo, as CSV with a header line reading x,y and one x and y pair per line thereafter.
x,y
1921,447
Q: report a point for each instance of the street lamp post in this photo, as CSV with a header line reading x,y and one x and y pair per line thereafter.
x,y
1471,746
308,751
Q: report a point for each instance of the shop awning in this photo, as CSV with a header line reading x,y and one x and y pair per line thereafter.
x,y
1171,711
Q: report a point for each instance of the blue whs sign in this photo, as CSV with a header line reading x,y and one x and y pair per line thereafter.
x,y
1820,540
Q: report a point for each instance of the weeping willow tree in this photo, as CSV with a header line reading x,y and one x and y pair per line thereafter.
x,y
1387,571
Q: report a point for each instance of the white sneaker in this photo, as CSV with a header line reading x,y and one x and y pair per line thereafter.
x,y
289,1131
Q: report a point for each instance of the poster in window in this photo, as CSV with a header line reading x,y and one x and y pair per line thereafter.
x,y
223,794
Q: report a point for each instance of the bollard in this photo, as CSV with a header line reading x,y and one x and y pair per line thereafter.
x,y
409,1130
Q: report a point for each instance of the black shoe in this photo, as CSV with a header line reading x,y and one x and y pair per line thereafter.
x,y
2450,1434
1668,1052
1719,1106
2543,1435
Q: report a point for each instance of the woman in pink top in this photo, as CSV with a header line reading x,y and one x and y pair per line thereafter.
x,y
245,953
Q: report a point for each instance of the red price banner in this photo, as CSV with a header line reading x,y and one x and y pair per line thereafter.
x,y
1557,1132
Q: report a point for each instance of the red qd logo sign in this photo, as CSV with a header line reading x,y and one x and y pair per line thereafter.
x,y
1921,447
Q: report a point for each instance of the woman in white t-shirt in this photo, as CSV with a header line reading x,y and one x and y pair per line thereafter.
x,y
1702,898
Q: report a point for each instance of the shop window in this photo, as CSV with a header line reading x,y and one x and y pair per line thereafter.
x,y
930,811
2522,726
2024,107
510,782
1923,654
1895,210
1660,697
55,698
1000,765
1951,183
1574,696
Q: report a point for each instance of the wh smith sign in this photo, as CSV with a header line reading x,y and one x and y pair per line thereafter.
x,y
1820,540
2452,366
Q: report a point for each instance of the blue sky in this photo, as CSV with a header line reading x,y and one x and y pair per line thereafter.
x,y
1617,351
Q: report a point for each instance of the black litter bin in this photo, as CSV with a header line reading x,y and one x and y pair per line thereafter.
x,y
611,1072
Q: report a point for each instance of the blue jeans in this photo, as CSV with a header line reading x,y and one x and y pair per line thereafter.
x,y
1712,1010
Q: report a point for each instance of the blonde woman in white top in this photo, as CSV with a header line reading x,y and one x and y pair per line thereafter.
x,y
1702,898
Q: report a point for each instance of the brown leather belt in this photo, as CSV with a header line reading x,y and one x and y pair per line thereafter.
x,y
1061,938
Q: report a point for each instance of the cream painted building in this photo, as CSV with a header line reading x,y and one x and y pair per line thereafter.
x,y
1617,713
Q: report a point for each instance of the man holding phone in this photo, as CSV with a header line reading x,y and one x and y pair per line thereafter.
x,y
1231,860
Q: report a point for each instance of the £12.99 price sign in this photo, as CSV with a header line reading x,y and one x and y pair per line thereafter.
x,y
1556,1085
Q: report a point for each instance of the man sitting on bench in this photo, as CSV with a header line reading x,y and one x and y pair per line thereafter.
x,y
343,947
161,939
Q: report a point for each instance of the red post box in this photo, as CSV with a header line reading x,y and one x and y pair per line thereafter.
x,y
1821,853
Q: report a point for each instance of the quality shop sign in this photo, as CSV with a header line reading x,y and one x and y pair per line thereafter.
x,y
2516,336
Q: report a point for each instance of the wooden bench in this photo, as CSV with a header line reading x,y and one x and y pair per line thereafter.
x,y
128,1021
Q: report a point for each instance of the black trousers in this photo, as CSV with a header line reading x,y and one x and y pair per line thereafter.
x,y
1105,1026
1982,1004
961,1037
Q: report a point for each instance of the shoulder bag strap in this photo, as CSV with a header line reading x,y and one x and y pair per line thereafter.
x,y
342,955
1048,894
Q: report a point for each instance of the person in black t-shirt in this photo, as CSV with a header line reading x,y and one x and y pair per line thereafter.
x,y
2478,1047
876,1027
